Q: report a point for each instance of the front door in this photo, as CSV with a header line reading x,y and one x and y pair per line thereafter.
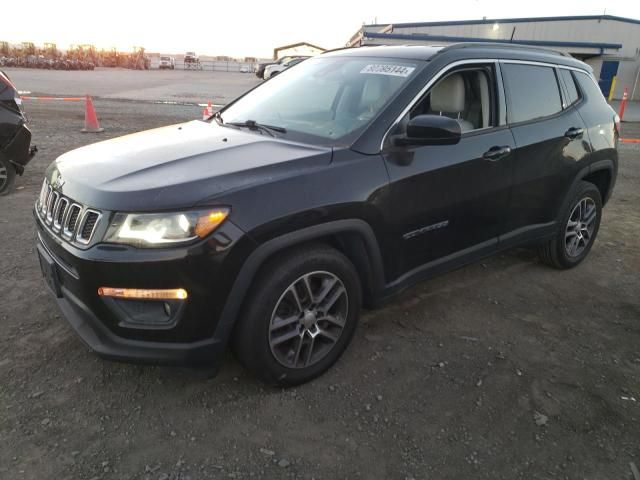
x,y
452,200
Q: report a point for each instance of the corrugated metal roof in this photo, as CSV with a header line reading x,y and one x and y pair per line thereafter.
x,y
509,20
446,38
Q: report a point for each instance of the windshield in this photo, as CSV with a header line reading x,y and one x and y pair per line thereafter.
x,y
166,59
324,99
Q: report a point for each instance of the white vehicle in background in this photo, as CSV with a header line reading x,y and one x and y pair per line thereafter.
x,y
167,63
276,68
245,69
192,61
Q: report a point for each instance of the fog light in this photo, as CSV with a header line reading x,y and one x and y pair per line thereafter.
x,y
143,294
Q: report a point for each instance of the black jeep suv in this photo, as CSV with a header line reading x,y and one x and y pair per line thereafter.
x,y
336,184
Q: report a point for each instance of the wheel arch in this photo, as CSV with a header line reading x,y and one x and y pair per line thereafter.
x,y
602,171
602,175
352,237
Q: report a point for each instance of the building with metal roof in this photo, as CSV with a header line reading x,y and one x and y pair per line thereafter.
x,y
301,49
610,44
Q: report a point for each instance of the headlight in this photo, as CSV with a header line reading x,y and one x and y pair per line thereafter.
x,y
162,229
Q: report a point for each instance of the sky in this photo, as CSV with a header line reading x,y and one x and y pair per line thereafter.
x,y
254,28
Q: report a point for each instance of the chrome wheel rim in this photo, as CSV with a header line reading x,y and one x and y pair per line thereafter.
x,y
308,320
580,227
4,175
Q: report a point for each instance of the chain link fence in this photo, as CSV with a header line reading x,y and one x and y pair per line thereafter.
x,y
210,65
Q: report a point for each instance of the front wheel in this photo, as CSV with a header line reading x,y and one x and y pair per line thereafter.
x,y
578,229
7,176
301,316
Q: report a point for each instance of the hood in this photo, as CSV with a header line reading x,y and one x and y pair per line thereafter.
x,y
177,166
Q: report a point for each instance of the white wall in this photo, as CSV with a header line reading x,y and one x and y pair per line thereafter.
x,y
302,51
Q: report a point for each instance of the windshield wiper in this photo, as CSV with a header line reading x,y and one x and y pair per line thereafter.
x,y
253,125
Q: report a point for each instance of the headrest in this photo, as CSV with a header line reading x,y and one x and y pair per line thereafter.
x,y
448,95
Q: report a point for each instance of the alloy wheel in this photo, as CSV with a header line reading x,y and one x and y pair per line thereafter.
x,y
4,176
580,227
308,319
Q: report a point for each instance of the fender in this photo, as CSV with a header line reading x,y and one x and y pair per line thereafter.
x,y
257,258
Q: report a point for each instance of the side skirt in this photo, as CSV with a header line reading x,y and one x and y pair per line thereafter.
x,y
529,235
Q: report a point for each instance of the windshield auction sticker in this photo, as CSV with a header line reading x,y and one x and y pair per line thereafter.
x,y
385,69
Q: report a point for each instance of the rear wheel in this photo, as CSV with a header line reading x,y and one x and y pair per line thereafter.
x,y
7,176
302,313
578,229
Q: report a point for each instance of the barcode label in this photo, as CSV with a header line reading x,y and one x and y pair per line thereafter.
x,y
384,69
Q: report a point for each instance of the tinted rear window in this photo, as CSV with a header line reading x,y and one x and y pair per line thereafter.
x,y
572,91
533,92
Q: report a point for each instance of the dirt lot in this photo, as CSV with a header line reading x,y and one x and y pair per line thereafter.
x,y
147,85
504,369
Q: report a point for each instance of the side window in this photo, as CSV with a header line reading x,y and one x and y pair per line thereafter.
x,y
570,83
467,95
533,92
588,86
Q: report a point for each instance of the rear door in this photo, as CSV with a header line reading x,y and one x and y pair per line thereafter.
x,y
550,142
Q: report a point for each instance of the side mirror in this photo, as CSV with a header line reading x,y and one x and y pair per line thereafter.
x,y
431,130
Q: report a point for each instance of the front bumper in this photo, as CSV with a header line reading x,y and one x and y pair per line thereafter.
x,y
205,270
112,347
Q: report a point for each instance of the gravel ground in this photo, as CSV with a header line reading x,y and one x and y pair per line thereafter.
x,y
504,369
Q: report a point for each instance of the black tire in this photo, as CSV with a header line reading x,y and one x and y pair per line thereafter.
x,y
555,252
7,176
253,333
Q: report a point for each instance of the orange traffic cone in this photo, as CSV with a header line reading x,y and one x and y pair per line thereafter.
x,y
208,111
91,124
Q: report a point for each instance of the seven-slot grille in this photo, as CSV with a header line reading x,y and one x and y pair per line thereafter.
x,y
73,221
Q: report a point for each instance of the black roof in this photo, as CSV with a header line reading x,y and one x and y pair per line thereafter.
x,y
408,52
461,51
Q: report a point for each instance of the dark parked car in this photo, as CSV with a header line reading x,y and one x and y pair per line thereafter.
x,y
15,137
336,184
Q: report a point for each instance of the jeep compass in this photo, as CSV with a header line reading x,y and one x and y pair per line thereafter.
x,y
332,186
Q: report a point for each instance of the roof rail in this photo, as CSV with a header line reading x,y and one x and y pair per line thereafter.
x,y
503,45
343,48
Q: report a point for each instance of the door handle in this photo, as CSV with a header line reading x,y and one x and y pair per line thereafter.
x,y
574,132
496,153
